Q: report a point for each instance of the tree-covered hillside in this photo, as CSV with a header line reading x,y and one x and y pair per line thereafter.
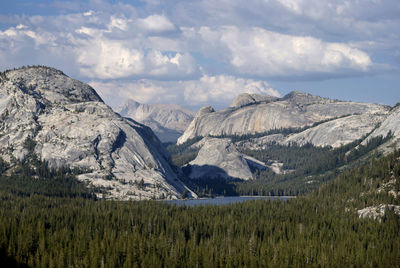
x,y
318,230
303,167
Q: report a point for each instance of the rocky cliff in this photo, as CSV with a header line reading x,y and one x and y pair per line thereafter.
x,y
168,121
252,114
71,125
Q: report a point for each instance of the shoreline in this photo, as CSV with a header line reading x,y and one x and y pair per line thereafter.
x,y
239,196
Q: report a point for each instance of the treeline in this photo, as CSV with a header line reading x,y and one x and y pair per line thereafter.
x,y
42,180
183,153
321,229
32,176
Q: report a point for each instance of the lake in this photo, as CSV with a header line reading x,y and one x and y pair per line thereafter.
x,y
223,200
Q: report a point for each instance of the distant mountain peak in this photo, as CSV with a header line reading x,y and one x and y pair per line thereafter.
x,y
168,121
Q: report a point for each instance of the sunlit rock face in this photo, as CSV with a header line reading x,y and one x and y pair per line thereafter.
x,y
297,118
168,121
337,132
377,212
219,158
72,126
391,124
249,114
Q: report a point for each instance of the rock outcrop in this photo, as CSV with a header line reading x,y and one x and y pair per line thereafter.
x,y
168,121
377,212
219,158
294,110
247,99
391,124
71,126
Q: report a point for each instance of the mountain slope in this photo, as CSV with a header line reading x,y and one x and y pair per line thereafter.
x,y
71,126
167,121
219,158
390,124
295,110
303,140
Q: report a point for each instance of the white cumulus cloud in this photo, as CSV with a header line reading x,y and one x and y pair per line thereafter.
x,y
220,90
99,46
105,59
157,23
205,51
260,52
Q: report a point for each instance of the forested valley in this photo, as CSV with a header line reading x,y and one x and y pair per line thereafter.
x,y
69,227
304,167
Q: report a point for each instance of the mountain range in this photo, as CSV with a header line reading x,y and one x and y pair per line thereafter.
x,y
63,150
253,123
168,121
257,114
66,123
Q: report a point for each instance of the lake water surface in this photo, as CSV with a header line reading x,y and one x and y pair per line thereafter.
x,y
223,200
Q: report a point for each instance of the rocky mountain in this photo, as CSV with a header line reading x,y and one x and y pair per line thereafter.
x,y
255,114
168,121
70,125
219,158
334,133
256,124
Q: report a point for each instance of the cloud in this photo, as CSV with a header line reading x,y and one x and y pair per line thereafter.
x,y
103,58
156,23
204,51
219,90
368,10
108,59
102,46
223,89
333,18
259,52
114,42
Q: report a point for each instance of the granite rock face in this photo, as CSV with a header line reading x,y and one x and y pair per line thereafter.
x,y
377,212
334,133
294,110
219,158
316,120
168,121
337,132
390,124
72,126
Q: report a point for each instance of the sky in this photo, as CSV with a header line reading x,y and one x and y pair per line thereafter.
x,y
205,52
